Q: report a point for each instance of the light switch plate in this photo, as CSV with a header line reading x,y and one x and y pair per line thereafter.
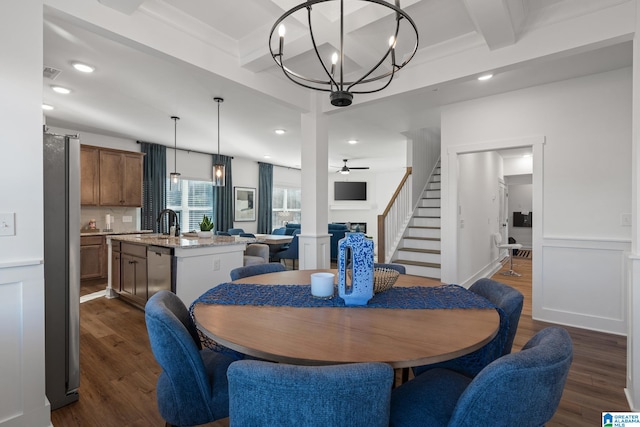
x,y
127,219
7,224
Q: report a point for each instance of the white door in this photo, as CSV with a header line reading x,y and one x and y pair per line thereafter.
x,y
503,213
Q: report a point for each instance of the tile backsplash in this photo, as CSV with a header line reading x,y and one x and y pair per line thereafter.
x,y
118,215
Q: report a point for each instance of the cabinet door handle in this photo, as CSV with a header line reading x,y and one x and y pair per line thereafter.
x,y
133,262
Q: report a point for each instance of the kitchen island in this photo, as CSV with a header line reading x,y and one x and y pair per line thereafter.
x,y
142,264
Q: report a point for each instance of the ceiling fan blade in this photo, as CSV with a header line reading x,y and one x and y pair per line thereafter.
x,y
362,167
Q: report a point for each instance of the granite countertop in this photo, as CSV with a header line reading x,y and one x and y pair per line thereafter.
x,y
110,233
182,241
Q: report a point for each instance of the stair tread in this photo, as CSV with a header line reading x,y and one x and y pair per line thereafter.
x,y
426,216
416,263
424,251
422,238
424,226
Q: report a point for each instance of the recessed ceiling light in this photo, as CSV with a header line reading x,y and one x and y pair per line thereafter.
x,y
485,77
47,107
61,89
83,67
526,155
266,156
353,141
280,131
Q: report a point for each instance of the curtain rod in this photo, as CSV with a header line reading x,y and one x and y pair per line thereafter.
x,y
182,149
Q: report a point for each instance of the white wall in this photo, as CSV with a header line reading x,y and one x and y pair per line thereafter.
x,y
586,167
22,363
478,212
423,152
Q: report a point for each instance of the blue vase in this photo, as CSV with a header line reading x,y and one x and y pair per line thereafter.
x,y
356,252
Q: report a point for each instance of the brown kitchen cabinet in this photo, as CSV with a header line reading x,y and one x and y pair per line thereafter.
x,y
120,178
133,273
89,175
93,257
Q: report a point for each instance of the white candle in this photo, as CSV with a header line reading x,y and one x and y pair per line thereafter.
x,y
322,285
107,220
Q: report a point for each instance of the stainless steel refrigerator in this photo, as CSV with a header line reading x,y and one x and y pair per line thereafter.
x,y
61,162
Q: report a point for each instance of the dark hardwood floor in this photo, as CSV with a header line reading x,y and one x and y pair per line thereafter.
x,y
118,371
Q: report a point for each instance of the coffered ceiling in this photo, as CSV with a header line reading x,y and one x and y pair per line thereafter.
x,y
158,58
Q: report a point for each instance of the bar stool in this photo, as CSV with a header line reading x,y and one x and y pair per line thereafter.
x,y
497,238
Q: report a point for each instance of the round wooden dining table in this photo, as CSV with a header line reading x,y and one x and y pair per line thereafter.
x,y
333,335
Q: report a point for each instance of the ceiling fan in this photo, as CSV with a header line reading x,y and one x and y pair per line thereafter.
x,y
345,169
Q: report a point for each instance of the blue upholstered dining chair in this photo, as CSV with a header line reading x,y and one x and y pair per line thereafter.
x,y
250,235
253,270
290,252
222,233
520,389
508,299
235,231
192,387
279,231
265,394
399,268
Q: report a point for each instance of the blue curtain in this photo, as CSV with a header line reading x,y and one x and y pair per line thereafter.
x,y
265,190
223,196
154,173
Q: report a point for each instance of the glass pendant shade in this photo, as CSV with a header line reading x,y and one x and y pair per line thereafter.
x,y
218,175
174,177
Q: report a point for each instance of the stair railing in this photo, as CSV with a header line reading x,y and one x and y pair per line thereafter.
x,y
392,222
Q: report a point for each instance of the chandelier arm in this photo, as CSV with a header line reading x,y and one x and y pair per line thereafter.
x,y
386,55
315,48
289,73
391,74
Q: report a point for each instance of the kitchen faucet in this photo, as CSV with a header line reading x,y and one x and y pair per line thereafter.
x,y
173,216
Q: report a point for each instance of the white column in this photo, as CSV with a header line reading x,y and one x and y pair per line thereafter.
x,y
314,239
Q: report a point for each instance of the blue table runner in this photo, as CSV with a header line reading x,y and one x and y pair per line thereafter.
x,y
417,297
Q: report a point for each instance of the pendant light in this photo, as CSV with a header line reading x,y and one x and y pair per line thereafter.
x,y
174,177
218,168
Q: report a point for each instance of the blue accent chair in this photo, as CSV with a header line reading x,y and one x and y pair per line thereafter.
x,y
192,387
520,389
337,231
279,231
510,300
235,231
265,394
253,270
399,268
290,252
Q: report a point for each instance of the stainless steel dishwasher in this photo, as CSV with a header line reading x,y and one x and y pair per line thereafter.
x,y
159,270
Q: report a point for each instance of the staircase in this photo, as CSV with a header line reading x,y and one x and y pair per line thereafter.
x,y
419,249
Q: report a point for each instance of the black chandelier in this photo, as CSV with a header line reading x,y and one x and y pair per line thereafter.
x,y
341,91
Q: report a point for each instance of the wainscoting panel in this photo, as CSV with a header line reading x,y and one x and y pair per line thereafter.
x,y
22,388
583,284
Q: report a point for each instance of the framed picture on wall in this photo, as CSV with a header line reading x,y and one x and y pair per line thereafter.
x,y
244,204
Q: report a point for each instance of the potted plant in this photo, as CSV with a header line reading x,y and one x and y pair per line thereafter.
x,y
206,227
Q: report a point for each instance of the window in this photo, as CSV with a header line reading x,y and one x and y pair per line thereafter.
x,y
191,200
286,204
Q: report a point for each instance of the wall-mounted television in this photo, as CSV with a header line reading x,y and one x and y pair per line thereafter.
x,y
522,220
349,190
